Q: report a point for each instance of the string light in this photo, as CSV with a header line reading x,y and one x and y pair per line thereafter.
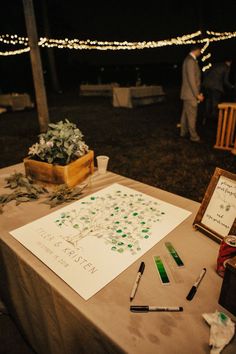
x,y
206,67
115,45
15,52
94,45
13,39
212,33
205,57
206,45
112,45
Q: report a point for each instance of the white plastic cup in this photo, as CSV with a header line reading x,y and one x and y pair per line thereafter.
x,y
102,162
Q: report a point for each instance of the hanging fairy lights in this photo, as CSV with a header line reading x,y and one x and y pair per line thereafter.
x,y
206,67
111,45
221,34
99,45
206,56
8,39
13,39
14,52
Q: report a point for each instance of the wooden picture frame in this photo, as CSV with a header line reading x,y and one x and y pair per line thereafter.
x,y
216,215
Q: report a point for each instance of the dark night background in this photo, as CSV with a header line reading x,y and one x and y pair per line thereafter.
x,y
114,20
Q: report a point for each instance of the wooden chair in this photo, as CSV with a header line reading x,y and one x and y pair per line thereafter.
x,y
226,130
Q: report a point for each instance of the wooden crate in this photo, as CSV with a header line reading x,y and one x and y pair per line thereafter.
x,y
71,174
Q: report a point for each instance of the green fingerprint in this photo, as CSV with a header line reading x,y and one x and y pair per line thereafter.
x,y
174,254
161,270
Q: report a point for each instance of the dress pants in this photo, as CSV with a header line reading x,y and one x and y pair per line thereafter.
x,y
189,119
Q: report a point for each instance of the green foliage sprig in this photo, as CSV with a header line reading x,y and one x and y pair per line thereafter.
x,y
24,190
63,194
61,144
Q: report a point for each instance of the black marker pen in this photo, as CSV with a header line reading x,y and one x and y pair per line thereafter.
x,y
193,290
146,308
137,280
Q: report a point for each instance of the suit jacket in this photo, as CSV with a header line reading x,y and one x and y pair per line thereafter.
x,y
217,78
191,79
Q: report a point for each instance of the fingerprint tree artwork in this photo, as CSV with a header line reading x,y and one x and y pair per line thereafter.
x,y
121,219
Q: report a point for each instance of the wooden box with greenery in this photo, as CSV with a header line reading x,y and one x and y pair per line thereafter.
x,y
61,156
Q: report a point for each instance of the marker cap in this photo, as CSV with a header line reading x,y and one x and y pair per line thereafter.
x,y
141,268
191,293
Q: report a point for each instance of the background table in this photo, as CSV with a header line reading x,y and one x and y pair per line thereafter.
x,y
137,95
16,101
97,90
55,319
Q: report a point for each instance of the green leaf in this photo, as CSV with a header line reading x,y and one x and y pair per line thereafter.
x,y
67,140
23,199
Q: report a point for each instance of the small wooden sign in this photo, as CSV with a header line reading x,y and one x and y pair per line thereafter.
x,y
216,216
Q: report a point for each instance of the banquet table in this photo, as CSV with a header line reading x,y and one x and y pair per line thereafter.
x,y
16,101
133,96
97,89
55,319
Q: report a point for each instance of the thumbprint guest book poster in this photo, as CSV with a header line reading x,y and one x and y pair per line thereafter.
x,y
91,241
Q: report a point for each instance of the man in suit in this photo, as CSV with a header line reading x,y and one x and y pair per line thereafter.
x,y
215,83
190,94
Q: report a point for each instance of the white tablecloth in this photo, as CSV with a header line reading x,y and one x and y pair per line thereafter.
x,y
56,320
16,101
137,95
97,90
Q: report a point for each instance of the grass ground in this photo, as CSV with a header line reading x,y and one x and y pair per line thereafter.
x,y
143,143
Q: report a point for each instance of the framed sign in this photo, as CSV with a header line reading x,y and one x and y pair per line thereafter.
x,y
216,216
